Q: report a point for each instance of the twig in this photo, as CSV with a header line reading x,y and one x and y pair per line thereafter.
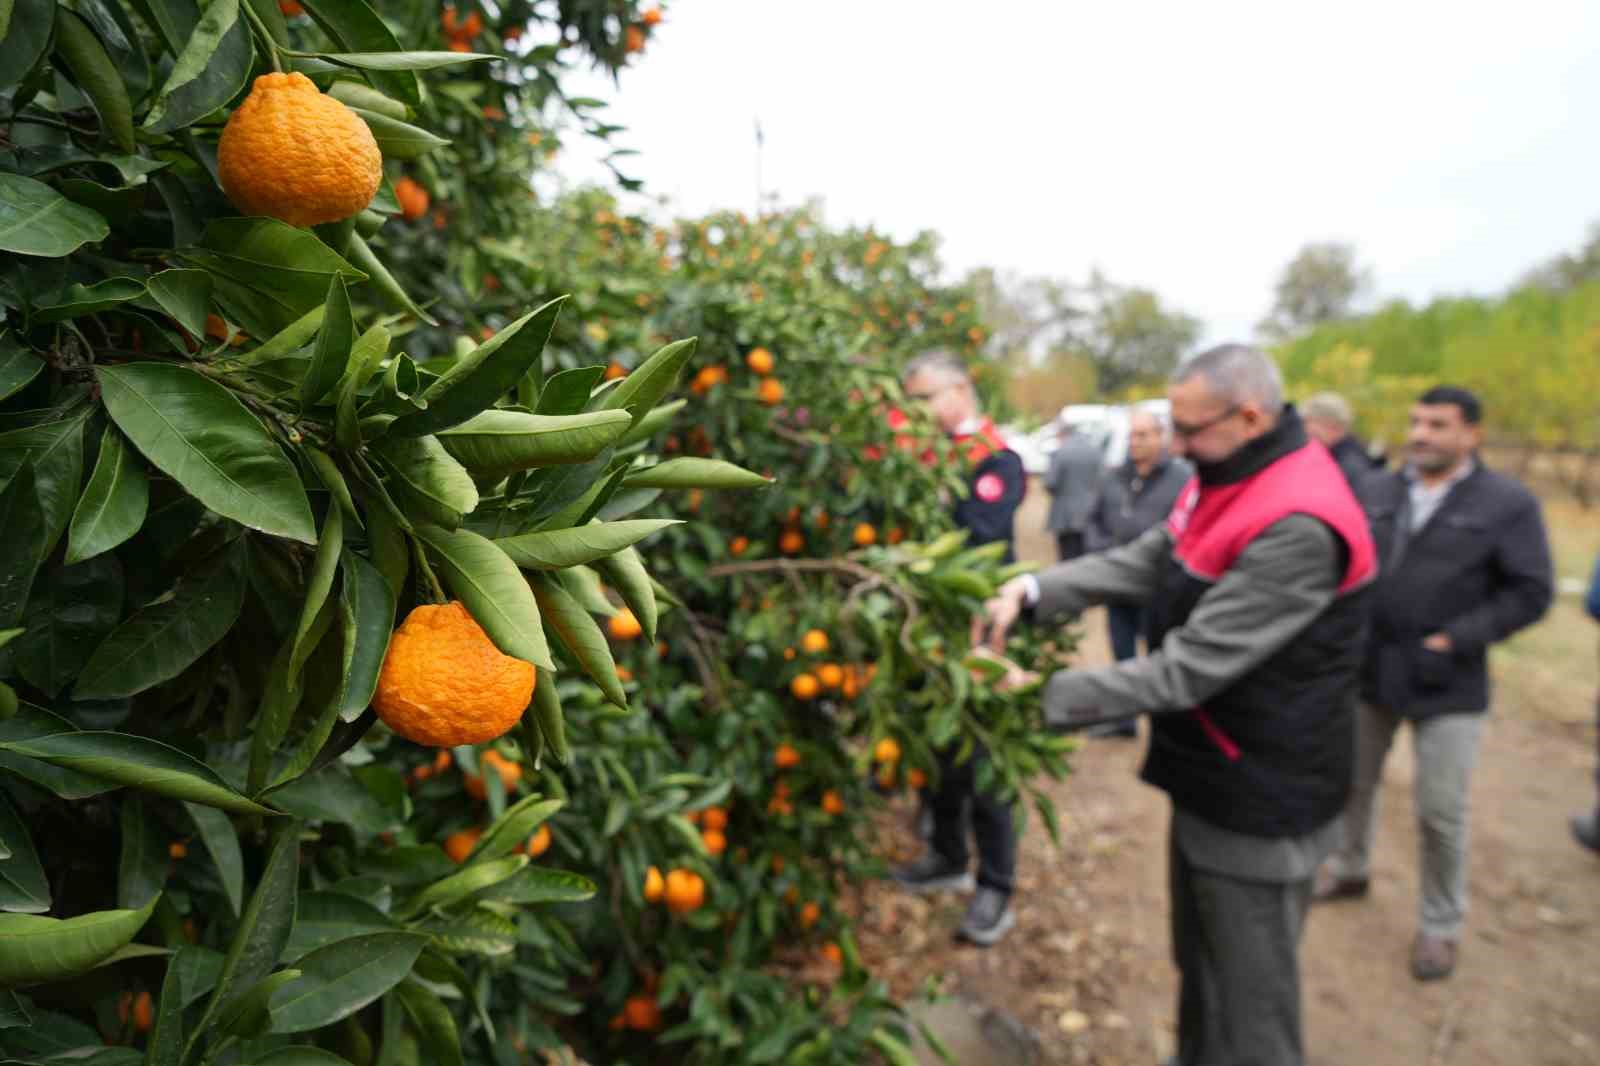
x,y
863,575
698,639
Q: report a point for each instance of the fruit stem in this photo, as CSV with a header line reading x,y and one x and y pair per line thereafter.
x,y
435,589
265,35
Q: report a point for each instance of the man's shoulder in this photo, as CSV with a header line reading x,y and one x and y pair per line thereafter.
x,y
1504,489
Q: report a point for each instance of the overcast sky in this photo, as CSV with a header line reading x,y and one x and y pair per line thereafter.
x,y
1191,148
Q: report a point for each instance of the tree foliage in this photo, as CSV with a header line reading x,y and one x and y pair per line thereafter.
x,y
1320,284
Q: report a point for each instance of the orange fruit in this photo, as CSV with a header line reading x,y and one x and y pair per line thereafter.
x,y
509,772
615,370
715,840
654,887
815,642
539,843
788,655
634,39
459,845
624,674
686,891
760,360
779,805
865,535
770,392
831,675
623,625
139,1007
886,776
738,546
916,778
651,17
472,26
444,683
292,153
642,1013
832,953
777,864
832,803
785,758
805,687
178,849
412,197
695,817
291,8
447,21
887,751
792,542
714,818
809,914
441,761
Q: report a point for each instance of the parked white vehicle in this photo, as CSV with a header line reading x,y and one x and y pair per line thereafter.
x,y
1105,424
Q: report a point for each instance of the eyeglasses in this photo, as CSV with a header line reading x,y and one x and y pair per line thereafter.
x,y
1179,429
925,397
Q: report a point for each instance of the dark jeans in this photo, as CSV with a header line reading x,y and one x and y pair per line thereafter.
x,y
1069,545
991,822
1237,946
1127,626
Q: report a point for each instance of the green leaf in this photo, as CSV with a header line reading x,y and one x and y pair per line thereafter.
x,y
510,832
567,392
267,274
426,481
356,28
386,543
625,570
137,762
560,548
56,449
96,75
320,582
324,917
21,530
340,979
78,300
69,613
200,435
548,717
113,506
483,375
218,835
584,585
334,342
366,259
332,795
367,605
365,358
18,367
690,473
405,60
23,887
478,932
142,868
540,884
161,641
496,443
578,633
209,72
493,590
300,1055
399,140
36,950
166,1034
433,1022
24,36
652,423
290,339
248,1014
651,380
37,220
472,878
185,295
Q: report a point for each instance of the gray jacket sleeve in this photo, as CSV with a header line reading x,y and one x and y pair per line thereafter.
x,y
1125,575
1275,589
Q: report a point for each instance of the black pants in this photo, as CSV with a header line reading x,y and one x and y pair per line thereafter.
x,y
1069,545
1127,626
991,822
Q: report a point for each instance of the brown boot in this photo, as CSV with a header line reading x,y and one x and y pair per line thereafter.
x,y
1432,958
1329,886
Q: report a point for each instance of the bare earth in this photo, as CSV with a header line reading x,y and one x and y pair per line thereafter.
x,y
1087,969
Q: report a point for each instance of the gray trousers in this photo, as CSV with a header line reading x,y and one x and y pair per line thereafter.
x,y
1446,751
1236,943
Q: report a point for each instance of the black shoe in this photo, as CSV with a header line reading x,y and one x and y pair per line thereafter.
x,y
989,917
1586,828
931,872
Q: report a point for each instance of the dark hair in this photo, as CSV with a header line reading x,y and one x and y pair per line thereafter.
x,y
1454,395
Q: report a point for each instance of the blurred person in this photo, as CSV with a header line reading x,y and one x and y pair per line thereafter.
x,y
1328,419
1256,587
1073,482
1132,500
997,484
1465,564
1586,827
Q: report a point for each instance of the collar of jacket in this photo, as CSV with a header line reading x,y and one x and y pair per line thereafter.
x,y
1255,456
979,439
1130,469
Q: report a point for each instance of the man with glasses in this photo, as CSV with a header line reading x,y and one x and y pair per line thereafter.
x,y
1255,586
996,484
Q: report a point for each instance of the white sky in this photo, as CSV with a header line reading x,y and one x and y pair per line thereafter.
x,y
1190,147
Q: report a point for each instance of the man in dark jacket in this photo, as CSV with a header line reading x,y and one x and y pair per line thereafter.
x,y
1465,564
1328,419
1073,481
1586,827
1256,590
1131,501
996,485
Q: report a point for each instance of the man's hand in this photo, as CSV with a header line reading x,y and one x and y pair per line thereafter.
x,y
999,615
1439,642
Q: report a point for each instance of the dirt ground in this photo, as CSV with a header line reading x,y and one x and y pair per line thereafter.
x,y
1087,969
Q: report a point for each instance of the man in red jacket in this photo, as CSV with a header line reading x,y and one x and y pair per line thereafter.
x,y
1255,587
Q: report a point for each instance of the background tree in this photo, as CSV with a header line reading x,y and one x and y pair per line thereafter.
x,y
1130,337
1321,284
